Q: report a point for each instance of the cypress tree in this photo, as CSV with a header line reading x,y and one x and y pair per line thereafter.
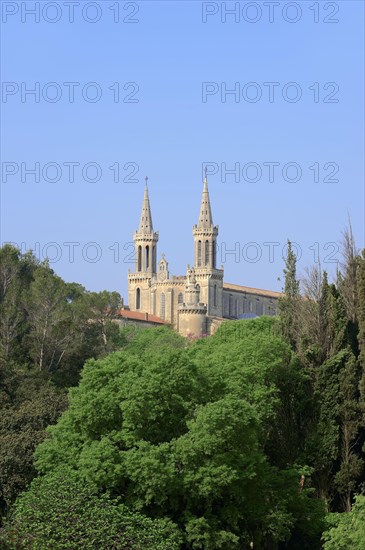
x,y
289,304
361,320
361,307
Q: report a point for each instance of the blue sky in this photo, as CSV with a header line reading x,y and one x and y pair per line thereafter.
x,y
169,132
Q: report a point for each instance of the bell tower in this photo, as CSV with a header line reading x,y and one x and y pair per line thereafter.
x,y
145,239
145,242
208,277
205,234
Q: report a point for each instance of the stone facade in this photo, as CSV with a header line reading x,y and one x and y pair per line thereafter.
x,y
195,304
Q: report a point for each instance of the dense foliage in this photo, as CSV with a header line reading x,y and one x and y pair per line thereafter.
x,y
60,511
48,329
180,434
346,530
252,438
328,338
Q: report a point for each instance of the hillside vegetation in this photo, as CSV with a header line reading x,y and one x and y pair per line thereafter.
x,y
252,438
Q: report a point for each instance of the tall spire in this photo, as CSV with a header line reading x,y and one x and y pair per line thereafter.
x,y
205,216
145,224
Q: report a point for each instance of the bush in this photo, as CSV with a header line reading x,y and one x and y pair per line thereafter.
x,y
61,511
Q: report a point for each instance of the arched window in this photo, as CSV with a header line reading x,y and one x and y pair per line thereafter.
x,y
199,253
215,296
230,306
214,254
138,298
162,306
180,298
147,257
139,262
206,259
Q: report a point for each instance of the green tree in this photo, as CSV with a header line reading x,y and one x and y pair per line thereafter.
x,y
289,430
361,318
346,530
61,511
289,304
22,428
351,423
9,267
361,304
333,447
314,332
180,433
50,329
348,283
16,272
102,308
12,322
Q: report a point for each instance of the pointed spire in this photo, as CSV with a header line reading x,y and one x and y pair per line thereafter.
x,y
145,224
205,216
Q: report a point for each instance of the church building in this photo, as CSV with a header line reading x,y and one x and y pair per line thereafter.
x,y
197,303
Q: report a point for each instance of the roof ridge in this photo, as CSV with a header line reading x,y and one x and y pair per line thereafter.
x,y
252,289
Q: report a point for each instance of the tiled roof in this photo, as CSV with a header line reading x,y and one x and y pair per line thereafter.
x,y
140,316
249,290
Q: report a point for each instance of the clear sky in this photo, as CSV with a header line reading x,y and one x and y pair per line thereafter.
x,y
168,122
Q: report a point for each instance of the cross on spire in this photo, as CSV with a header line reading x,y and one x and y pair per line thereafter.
x,y
146,178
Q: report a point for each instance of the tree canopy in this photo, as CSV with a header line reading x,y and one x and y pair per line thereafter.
x,y
48,328
180,434
60,511
251,438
